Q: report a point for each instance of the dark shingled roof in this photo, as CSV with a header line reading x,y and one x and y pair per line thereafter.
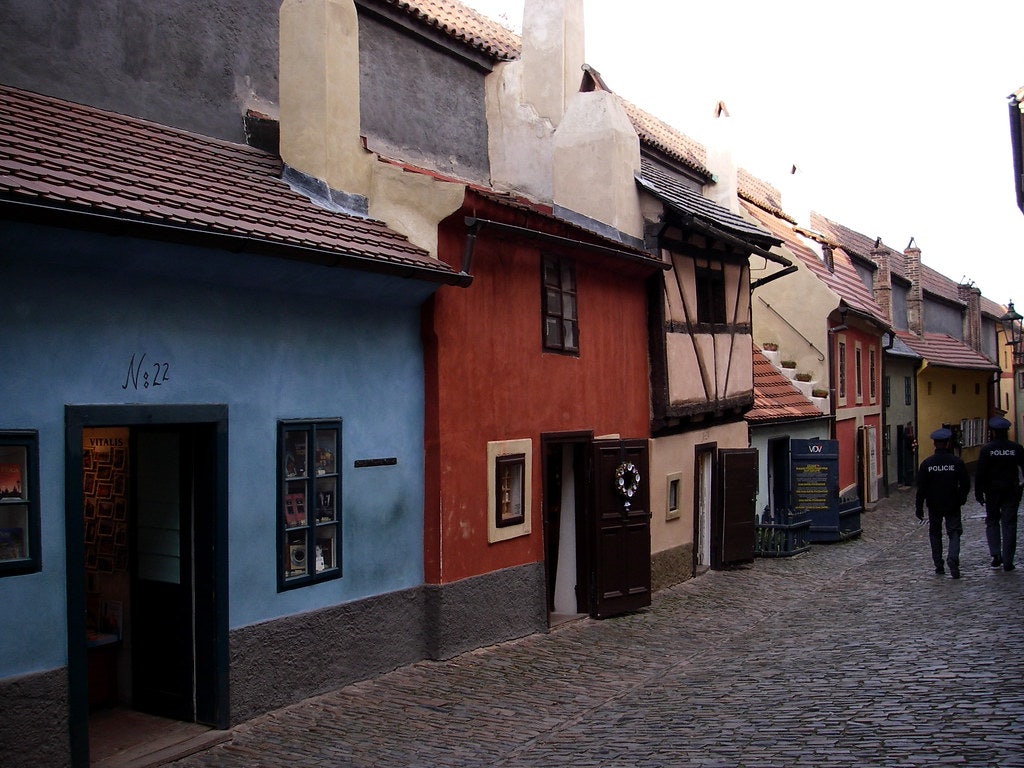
x,y
668,189
64,157
776,398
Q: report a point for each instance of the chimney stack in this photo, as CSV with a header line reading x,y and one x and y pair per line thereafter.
x,y
319,94
882,279
971,297
721,161
552,55
915,298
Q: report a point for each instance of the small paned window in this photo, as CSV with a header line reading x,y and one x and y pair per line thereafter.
x,y
19,502
841,372
710,284
858,372
887,391
510,471
309,502
872,374
561,327
908,390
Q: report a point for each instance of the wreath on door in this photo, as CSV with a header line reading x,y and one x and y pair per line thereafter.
x,y
627,479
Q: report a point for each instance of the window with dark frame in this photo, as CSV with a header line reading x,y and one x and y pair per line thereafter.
x,y
872,374
908,391
887,391
841,365
509,471
561,328
858,374
309,502
710,283
19,503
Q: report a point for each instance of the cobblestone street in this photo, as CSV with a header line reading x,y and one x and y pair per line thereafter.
x,y
853,654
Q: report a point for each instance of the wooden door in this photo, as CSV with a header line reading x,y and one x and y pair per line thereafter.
x,y
162,599
738,494
621,522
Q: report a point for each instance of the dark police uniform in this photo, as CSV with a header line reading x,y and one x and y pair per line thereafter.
x,y
998,487
943,485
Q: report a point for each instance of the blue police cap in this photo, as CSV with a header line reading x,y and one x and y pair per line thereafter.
x,y
942,434
998,422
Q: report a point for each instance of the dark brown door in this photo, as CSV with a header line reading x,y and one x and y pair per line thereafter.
x,y
162,658
738,493
622,528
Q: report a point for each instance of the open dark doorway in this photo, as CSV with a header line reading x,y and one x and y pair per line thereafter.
x,y
147,565
564,503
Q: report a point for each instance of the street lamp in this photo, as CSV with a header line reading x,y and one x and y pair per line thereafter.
x,y
1011,323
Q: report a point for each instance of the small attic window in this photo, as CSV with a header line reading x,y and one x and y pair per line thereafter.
x,y
829,257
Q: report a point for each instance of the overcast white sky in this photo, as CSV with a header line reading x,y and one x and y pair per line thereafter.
x,y
895,111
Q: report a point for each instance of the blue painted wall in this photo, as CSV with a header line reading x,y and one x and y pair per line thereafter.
x,y
271,338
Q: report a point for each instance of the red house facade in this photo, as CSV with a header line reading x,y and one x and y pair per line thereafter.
x,y
534,371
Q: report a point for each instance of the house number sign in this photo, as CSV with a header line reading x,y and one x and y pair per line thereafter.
x,y
143,374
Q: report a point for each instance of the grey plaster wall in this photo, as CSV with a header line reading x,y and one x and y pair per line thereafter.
x,y
420,104
899,307
671,566
279,662
34,725
192,64
940,317
485,610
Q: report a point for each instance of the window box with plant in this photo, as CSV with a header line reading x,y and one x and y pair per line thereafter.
x,y
803,377
789,364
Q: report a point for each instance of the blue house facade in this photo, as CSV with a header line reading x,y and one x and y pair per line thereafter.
x,y
213,428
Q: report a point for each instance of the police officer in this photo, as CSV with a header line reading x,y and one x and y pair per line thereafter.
x,y
943,484
998,487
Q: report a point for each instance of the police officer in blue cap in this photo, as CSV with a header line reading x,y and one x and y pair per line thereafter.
x,y
943,484
997,485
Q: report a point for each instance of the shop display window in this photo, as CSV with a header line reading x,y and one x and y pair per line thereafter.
x,y
309,502
19,503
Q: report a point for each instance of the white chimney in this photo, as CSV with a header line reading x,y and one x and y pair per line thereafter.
x,y
319,93
552,55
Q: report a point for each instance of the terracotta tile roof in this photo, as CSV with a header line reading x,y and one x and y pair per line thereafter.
x,y
776,398
762,194
943,350
462,24
59,155
843,280
932,281
662,136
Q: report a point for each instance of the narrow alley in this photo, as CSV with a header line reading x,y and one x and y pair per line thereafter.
x,y
854,654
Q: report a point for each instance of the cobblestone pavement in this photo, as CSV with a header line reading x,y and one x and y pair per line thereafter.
x,y
854,654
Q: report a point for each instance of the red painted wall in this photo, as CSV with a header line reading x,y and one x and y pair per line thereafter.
x,y
866,411
488,379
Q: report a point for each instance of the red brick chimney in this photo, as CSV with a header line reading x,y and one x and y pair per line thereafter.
x,y
882,279
915,298
971,296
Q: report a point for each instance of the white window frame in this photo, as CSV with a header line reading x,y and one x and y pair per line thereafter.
x,y
495,450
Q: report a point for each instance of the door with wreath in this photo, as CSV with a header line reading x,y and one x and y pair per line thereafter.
x,y
620,528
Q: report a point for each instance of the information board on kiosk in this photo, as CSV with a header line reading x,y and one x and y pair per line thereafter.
x,y
815,467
